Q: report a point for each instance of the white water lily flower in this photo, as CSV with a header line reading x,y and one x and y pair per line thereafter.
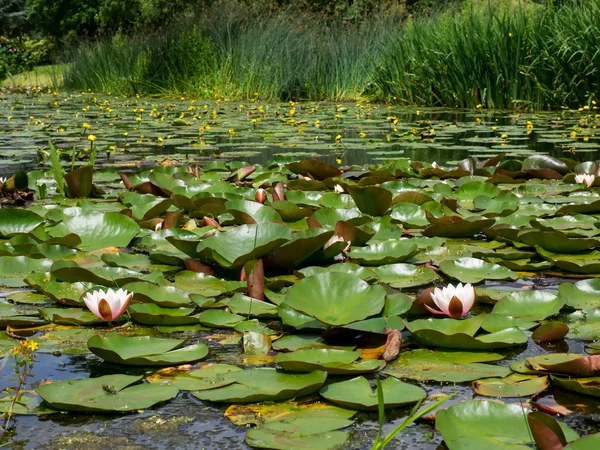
x,y
435,165
2,180
338,189
453,301
585,178
108,305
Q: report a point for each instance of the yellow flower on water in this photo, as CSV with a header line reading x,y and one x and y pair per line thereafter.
x,y
494,128
573,134
504,136
161,140
510,34
338,160
362,134
338,138
479,106
586,138
86,126
91,138
126,134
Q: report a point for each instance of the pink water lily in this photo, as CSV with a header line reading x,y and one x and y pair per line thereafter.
x,y
453,301
108,305
585,178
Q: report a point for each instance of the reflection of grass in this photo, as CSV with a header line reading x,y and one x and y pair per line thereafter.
x,y
44,76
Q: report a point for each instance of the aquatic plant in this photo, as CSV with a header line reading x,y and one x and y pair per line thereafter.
x,y
108,304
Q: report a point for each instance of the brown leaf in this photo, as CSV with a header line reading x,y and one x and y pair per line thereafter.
x,y
196,266
392,345
172,219
256,279
546,431
277,191
313,223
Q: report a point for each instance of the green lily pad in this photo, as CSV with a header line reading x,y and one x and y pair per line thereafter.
x,y
556,242
486,425
454,367
303,429
145,350
336,298
165,296
217,318
405,275
358,394
250,307
295,342
70,316
262,385
151,314
237,246
103,394
515,385
15,221
530,304
472,270
585,386
584,294
460,334
388,252
98,230
333,361
211,376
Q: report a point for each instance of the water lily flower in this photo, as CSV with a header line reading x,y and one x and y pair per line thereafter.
x,y
91,138
108,305
453,301
585,178
260,195
435,165
338,189
2,180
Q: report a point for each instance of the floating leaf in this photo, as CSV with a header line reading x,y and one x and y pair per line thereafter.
x,y
336,299
358,394
103,394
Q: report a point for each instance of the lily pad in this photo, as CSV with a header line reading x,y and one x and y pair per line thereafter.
x,y
456,367
357,393
98,230
145,350
104,394
472,270
486,425
336,298
262,385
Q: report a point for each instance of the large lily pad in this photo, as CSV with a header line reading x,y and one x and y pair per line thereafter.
x,y
98,230
104,394
454,367
237,246
357,393
261,385
461,334
333,361
336,298
472,270
584,294
388,252
486,425
534,305
145,350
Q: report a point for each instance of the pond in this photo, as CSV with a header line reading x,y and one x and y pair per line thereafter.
x,y
365,209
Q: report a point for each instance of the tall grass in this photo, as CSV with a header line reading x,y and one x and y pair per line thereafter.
x,y
501,54
497,57
238,51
